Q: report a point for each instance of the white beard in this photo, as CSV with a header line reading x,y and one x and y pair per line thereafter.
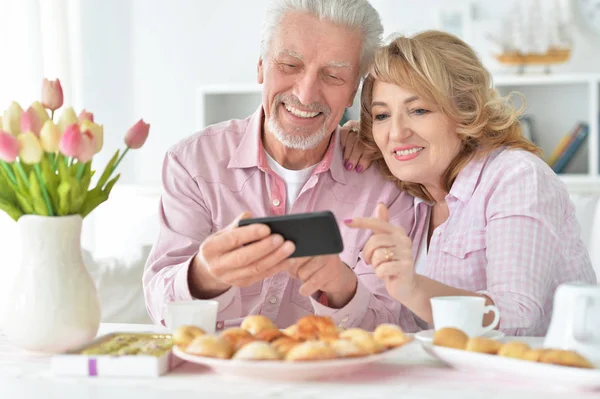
x,y
295,140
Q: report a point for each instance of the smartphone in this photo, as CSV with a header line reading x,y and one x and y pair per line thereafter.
x,y
313,233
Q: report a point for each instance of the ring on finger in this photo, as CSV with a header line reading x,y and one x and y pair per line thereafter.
x,y
354,130
389,255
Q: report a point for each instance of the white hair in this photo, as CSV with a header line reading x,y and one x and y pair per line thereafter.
x,y
352,14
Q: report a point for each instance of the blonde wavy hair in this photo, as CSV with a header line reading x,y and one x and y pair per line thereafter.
x,y
444,70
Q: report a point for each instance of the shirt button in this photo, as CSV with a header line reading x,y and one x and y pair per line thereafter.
x,y
345,319
273,300
276,202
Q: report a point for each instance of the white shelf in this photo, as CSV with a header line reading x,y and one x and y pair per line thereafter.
x,y
556,102
549,79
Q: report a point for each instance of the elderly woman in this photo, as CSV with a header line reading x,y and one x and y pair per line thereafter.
x,y
491,218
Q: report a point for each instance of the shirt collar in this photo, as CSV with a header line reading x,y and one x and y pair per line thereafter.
x,y
468,178
250,151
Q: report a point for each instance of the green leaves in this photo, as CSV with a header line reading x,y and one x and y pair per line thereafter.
x,y
56,186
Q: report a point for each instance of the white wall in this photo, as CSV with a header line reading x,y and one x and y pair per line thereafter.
x,y
145,58
176,46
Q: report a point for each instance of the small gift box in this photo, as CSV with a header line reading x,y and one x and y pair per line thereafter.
x,y
119,355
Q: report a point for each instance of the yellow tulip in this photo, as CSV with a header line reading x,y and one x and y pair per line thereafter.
x,y
96,130
40,111
49,137
31,151
68,117
11,122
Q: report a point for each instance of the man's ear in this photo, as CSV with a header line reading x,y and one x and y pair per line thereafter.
x,y
259,71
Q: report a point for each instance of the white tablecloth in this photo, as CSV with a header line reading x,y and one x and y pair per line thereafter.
x,y
415,375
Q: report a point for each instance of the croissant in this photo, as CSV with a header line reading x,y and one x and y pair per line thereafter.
x,y
186,334
389,335
363,339
314,327
237,337
257,350
284,344
311,350
269,335
210,346
345,348
257,323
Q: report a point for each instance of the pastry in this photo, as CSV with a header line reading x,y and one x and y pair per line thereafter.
x,y
565,358
346,348
363,339
292,332
257,350
210,346
389,335
311,350
450,338
186,334
483,345
257,323
534,355
284,344
237,337
514,349
269,335
316,327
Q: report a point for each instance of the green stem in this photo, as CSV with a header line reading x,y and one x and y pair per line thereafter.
x,y
119,161
22,173
51,158
52,115
38,172
56,161
9,172
70,163
80,170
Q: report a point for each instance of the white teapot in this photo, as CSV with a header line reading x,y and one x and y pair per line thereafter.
x,y
575,323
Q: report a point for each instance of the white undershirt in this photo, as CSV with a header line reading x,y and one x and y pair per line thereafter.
x,y
294,180
421,260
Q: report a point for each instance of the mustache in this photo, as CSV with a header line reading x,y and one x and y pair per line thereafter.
x,y
292,100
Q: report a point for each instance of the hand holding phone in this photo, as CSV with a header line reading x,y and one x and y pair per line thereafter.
x,y
313,233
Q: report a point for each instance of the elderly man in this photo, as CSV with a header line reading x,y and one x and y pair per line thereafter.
x,y
285,158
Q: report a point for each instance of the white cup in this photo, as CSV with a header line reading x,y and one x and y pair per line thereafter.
x,y
199,313
463,312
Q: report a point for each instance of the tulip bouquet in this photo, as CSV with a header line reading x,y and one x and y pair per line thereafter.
x,y
46,166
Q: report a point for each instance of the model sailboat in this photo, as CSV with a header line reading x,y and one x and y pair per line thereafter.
x,y
534,35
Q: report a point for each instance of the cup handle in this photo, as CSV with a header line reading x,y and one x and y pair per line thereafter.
x,y
486,310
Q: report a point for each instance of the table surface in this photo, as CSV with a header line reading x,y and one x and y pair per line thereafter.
x,y
415,375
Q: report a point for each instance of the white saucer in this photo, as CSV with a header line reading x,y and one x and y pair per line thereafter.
x,y
427,335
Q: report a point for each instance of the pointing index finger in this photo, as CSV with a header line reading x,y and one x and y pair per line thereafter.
x,y
373,224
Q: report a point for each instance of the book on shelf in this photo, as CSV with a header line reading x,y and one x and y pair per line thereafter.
x,y
568,146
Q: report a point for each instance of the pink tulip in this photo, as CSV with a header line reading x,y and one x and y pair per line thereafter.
x,y
70,142
87,147
52,94
86,116
9,147
136,136
30,122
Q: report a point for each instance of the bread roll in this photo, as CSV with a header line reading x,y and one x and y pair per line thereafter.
x,y
210,346
483,345
450,338
257,323
257,350
311,350
183,335
389,336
